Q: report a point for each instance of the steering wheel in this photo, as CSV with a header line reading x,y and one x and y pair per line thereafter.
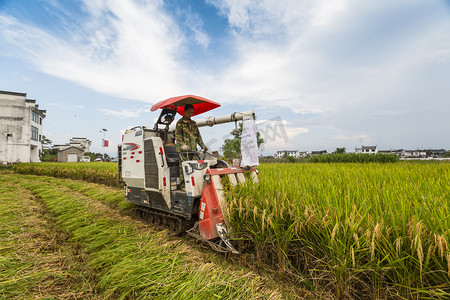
x,y
167,119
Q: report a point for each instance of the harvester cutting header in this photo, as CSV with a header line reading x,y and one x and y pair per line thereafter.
x,y
172,182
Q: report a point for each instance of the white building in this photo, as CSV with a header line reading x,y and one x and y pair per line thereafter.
x,y
367,149
20,128
82,143
77,142
414,154
293,153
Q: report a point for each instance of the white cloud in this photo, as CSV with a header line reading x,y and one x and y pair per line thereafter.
x,y
325,11
342,61
124,113
125,48
327,55
270,17
194,23
359,139
297,54
64,106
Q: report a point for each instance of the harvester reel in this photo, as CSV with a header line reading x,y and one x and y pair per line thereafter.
x,y
222,164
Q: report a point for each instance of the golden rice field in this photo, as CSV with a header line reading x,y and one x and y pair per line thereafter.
x,y
103,173
364,231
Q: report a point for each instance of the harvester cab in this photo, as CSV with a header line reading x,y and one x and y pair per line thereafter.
x,y
149,167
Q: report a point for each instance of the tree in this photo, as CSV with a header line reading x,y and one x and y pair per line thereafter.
x,y
48,154
45,141
340,150
232,147
290,159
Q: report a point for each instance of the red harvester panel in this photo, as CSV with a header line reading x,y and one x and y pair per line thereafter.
x,y
209,212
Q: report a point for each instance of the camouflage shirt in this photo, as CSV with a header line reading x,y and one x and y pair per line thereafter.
x,y
187,133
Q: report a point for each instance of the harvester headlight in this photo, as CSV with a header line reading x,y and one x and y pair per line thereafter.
x,y
207,177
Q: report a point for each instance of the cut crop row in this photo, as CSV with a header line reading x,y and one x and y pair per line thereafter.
x,y
36,261
130,259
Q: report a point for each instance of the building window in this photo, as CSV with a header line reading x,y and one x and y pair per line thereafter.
x,y
34,133
9,135
35,117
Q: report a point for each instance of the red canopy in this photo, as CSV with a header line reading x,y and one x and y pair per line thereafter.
x,y
200,104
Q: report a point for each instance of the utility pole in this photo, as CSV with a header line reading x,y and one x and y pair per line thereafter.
x,y
103,141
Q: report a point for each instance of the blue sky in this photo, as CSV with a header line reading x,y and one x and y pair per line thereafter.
x,y
319,74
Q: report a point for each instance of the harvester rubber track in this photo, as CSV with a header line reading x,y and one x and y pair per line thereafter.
x,y
178,225
173,223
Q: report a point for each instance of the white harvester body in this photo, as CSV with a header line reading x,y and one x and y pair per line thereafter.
x,y
149,167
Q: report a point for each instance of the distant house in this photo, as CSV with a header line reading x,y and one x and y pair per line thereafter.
x,y
293,153
20,128
398,152
319,152
414,154
367,149
435,152
74,150
425,153
82,143
284,153
70,154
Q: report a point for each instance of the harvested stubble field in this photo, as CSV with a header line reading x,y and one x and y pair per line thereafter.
x,y
364,231
67,239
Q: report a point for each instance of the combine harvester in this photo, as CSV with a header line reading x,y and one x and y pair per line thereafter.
x,y
149,167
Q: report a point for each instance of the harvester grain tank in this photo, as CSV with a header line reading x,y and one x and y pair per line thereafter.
x,y
149,167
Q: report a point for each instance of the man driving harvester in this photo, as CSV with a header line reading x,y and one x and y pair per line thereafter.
x,y
149,168
187,136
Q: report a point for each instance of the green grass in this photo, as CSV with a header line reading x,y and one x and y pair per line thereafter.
x,y
35,260
128,258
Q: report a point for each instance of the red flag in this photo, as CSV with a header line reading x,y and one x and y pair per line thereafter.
x,y
105,143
